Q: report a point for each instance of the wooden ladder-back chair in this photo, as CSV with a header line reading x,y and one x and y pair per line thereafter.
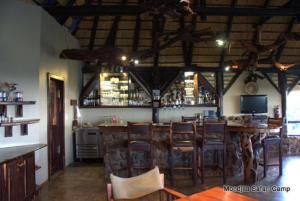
x,y
140,139
275,126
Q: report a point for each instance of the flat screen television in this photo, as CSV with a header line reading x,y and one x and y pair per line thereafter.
x,y
253,104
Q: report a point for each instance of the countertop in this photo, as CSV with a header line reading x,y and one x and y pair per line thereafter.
x,y
10,153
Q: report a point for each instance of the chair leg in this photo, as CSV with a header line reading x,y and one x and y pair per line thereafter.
x,y
202,165
171,167
129,165
265,159
224,166
280,159
194,166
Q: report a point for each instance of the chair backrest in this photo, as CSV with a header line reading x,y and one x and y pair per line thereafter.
x,y
139,131
182,131
214,130
188,118
135,187
275,126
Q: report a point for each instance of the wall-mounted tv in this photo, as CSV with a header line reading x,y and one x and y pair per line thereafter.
x,y
253,104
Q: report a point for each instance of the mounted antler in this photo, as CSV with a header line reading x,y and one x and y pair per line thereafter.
x,y
284,67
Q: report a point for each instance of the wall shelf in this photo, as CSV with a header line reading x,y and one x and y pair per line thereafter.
x,y
18,103
19,122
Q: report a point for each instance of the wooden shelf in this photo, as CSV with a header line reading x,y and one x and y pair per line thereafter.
x,y
19,122
112,106
18,103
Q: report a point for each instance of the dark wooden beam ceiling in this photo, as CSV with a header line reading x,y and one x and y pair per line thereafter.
x,y
227,34
135,10
288,30
93,33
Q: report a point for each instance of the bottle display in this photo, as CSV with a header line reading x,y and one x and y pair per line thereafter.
x,y
114,89
137,95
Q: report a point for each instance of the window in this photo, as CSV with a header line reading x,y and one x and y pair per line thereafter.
x,y
293,111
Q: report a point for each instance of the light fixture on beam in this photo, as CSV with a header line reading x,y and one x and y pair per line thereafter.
x,y
136,61
220,42
227,68
123,58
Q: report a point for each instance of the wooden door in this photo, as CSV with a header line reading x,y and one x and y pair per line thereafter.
x,y
56,124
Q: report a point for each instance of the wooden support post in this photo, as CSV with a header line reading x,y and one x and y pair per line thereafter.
x,y
219,90
283,90
156,73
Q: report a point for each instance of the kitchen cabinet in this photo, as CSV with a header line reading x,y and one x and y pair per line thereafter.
x,y
17,179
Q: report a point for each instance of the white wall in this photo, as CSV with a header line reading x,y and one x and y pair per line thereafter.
x,y
232,97
30,43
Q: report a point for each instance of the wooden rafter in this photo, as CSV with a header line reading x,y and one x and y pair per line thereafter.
x,y
141,82
93,33
167,85
111,38
271,81
115,10
227,34
62,19
137,32
184,44
288,30
203,5
90,86
191,44
294,83
205,83
232,81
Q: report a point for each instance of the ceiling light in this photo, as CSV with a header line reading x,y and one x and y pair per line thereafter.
x,y
123,58
136,61
234,66
220,42
227,68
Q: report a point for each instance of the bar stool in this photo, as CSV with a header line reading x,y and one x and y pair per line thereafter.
x,y
274,138
213,138
140,139
183,139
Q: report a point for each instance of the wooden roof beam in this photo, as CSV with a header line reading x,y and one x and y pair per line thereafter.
x,y
110,10
288,30
227,34
194,24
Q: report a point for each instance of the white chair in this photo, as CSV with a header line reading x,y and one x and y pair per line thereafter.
x,y
140,186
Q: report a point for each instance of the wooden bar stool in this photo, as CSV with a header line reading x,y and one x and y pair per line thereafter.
x,y
275,126
213,138
183,139
140,139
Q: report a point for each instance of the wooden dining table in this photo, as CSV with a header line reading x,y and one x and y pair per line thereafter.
x,y
217,194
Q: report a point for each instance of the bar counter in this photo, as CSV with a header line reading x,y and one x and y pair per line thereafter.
x,y
115,157
10,153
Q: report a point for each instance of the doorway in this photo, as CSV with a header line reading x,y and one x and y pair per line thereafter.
x,y
56,125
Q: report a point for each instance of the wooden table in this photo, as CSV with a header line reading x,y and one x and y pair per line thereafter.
x,y
217,194
250,160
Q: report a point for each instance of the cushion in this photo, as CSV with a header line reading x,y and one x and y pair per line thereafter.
x,y
135,187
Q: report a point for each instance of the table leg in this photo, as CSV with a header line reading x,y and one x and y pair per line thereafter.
x,y
248,158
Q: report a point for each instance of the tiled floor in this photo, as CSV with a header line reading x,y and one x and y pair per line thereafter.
x,y
84,182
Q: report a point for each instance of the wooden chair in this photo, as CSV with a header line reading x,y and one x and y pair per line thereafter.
x,y
140,139
213,138
183,139
275,126
139,187
189,118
